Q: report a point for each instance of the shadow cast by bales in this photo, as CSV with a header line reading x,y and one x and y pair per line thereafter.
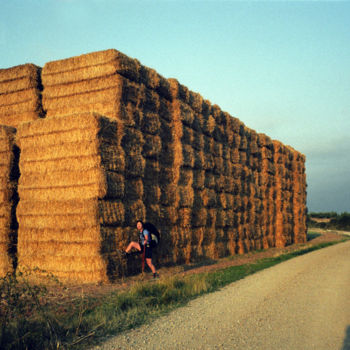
x,y
346,344
312,235
202,262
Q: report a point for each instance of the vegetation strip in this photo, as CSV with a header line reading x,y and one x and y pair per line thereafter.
x,y
30,320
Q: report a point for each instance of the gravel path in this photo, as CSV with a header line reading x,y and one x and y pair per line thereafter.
x,y
303,303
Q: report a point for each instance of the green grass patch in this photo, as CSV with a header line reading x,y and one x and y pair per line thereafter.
x,y
85,320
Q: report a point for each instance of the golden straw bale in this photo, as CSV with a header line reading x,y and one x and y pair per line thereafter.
x,y
209,198
152,146
19,97
88,66
67,221
89,121
185,217
90,234
5,261
208,161
96,85
18,72
150,123
69,164
24,83
15,120
101,96
33,105
186,196
187,135
169,215
59,264
187,156
198,179
209,124
134,166
134,189
196,102
186,177
198,141
61,249
75,207
62,179
152,193
209,181
111,212
186,114
95,190
135,210
108,109
199,217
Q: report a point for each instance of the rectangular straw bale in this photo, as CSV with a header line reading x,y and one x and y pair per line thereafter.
x,y
33,105
18,72
107,95
152,192
186,177
62,179
185,217
111,212
88,66
198,179
95,85
150,123
17,97
186,196
152,147
24,83
66,264
15,120
63,193
199,217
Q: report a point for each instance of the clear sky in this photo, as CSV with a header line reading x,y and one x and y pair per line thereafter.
x,y
281,67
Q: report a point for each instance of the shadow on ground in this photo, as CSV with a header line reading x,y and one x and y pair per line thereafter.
x,y
346,344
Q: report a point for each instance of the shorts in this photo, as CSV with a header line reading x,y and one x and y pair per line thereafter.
x,y
148,252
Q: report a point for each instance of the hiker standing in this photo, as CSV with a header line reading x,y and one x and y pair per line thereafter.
x,y
144,246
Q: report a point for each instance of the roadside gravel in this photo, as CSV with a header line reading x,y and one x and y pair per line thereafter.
x,y
303,303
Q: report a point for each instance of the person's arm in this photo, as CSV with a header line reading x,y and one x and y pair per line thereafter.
x,y
146,236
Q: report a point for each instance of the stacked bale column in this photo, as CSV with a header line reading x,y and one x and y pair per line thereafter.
x,y
279,166
299,198
20,94
9,174
69,193
297,201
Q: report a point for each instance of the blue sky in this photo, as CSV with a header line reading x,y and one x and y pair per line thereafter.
x,y
281,67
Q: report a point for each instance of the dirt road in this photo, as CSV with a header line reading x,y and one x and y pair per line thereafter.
x,y
303,303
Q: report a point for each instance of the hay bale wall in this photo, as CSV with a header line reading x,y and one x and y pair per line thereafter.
x,y
8,199
20,94
213,186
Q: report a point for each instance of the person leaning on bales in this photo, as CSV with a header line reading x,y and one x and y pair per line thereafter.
x,y
143,246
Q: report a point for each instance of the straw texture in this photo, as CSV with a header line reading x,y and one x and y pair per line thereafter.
x,y
20,94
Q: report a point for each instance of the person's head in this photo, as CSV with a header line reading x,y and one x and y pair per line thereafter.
x,y
139,225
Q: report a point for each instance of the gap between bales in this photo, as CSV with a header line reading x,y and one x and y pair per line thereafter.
x,y
65,322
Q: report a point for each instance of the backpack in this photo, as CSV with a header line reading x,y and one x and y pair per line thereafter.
x,y
155,238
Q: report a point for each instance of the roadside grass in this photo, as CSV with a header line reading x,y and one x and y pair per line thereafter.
x,y
36,322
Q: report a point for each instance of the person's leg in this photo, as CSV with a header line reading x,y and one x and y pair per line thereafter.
x,y
131,245
151,266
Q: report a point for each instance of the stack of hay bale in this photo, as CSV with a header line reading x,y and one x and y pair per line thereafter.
x,y
20,94
280,170
8,199
160,153
69,191
299,197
